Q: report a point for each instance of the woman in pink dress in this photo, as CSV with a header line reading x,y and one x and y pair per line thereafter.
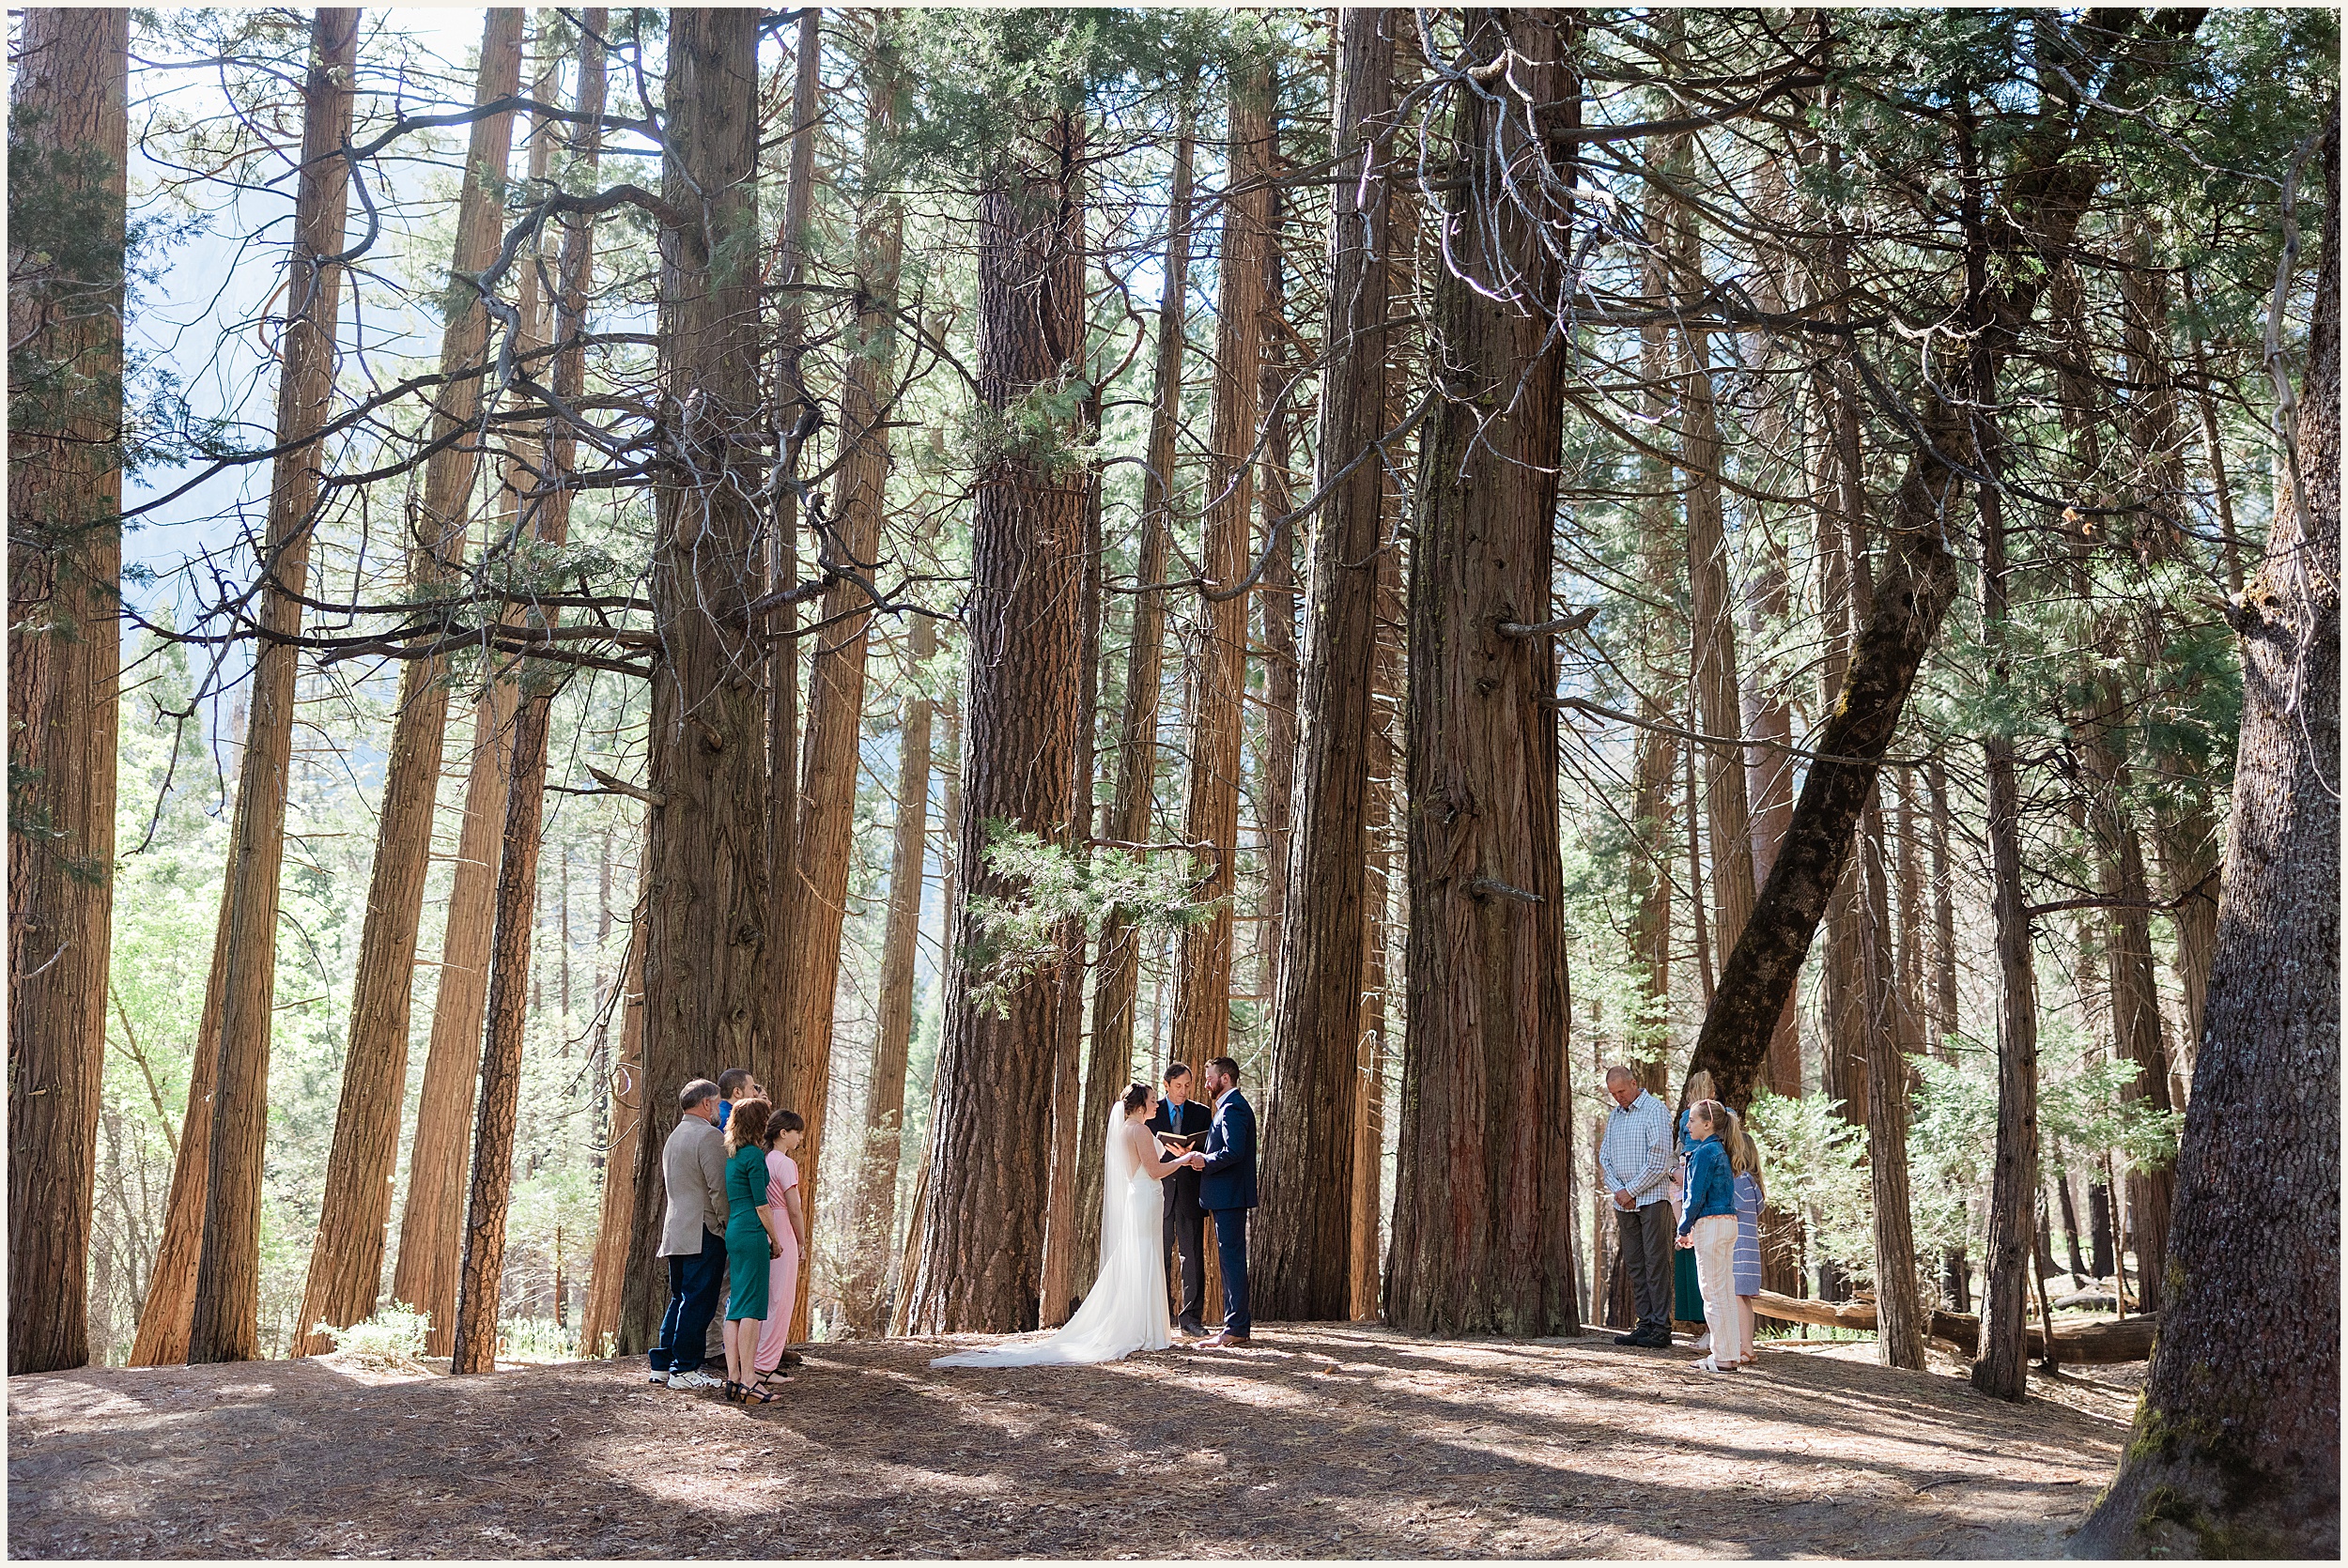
x,y
783,1134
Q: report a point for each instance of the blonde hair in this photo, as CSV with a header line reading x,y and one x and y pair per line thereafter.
x,y
1699,1085
1744,1155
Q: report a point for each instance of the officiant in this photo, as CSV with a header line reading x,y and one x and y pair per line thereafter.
x,y
1181,1123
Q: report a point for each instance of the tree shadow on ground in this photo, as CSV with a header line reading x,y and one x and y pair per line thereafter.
x,y
1320,1440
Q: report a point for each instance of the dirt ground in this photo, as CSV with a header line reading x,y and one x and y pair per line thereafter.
x,y
1320,1442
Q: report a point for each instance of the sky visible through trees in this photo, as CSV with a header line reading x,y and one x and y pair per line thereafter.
x,y
1710,540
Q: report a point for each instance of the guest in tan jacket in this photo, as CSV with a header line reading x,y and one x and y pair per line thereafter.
x,y
692,1239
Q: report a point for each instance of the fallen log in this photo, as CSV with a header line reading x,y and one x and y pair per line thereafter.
x,y
2089,1345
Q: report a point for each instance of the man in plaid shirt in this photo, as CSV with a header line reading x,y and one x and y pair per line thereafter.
x,y
1635,1159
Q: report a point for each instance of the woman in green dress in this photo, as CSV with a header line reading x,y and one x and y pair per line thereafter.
x,y
750,1245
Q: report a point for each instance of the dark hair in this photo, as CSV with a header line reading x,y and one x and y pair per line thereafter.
x,y
1136,1096
694,1093
1177,1071
1227,1066
746,1126
780,1123
731,1081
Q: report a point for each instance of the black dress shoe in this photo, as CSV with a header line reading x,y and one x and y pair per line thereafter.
x,y
1656,1338
1634,1337
1196,1330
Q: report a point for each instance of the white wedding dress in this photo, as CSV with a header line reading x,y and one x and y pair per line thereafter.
x,y
1126,1310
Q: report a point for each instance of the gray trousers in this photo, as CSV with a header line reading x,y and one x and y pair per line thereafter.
x,y
1645,1238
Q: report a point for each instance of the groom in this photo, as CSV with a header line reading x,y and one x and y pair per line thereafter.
x,y
1226,1189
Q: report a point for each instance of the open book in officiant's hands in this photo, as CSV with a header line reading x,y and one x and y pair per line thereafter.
x,y
1182,1142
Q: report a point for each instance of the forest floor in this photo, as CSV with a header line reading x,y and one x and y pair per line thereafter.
x,y
1316,1441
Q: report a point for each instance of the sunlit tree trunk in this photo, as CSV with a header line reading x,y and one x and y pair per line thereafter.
x,y
545,513
814,900
347,1261
70,106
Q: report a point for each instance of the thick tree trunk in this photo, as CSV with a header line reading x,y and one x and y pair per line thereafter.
x,y
709,920
347,1260
1202,998
980,1240
69,105
1364,1206
789,407
1384,760
1481,1231
2236,1445
1116,985
814,901
1306,1238
547,514
873,1222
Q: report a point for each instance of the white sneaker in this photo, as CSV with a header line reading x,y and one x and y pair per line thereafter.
x,y
1707,1365
657,1378
1704,1341
694,1380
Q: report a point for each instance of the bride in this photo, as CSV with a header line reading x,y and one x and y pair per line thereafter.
x,y
1127,1309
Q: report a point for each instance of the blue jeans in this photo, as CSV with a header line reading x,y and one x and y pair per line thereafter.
x,y
1230,1250
695,1282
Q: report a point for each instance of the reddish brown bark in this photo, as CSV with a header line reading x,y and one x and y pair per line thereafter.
x,y
1306,1234
1202,998
706,955
547,515
224,1316
814,899
1481,1226
1129,822
347,1259
789,407
69,103
873,1221
979,1247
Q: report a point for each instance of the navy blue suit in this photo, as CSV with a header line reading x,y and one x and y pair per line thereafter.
x,y
1226,1189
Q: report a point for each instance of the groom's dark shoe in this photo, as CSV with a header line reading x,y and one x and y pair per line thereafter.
x,y
1194,1330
